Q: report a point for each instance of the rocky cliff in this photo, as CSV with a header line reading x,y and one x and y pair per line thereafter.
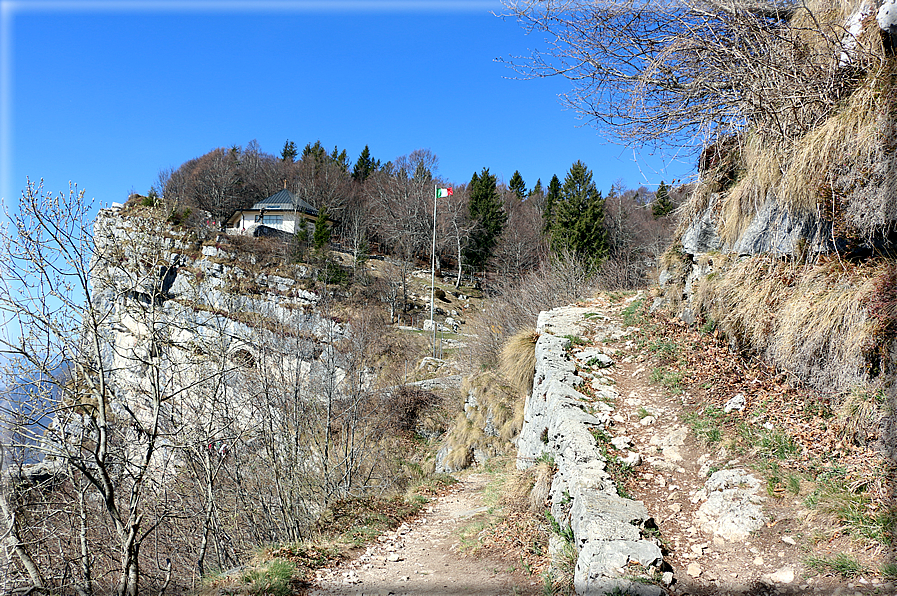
x,y
786,244
192,329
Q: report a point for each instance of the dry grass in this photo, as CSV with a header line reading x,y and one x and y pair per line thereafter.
x,y
678,265
811,320
762,172
859,415
517,361
848,139
487,427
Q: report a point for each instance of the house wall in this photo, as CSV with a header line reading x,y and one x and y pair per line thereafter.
x,y
289,223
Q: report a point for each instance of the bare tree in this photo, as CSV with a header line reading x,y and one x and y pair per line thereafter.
x,y
520,247
667,72
401,198
454,226
93,411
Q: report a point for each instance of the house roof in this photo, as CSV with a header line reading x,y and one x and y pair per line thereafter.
x,y
284,200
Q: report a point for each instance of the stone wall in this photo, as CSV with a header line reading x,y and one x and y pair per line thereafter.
x,y
612,534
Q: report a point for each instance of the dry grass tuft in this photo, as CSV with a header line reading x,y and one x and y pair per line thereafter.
x,y
811,320
492,417
763,167
859,415
849,139
677,265
517,361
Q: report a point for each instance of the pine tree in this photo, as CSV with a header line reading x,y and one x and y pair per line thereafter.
x,y
340,158
289,152
365,166
578,224
537,190
551,199
661,205
316,151
486,210
517,186
322,229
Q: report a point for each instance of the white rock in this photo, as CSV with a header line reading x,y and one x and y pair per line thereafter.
x,y
694,569
788,540
621,442
785,575
736,403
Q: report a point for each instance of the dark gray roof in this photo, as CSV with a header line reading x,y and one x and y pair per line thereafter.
x,y
284,200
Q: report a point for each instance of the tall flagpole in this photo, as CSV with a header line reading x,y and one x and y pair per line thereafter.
x,y
433,270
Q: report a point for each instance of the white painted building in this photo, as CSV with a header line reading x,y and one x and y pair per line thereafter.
x,y
281,211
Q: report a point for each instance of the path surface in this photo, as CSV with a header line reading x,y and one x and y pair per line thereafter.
x,y
422,556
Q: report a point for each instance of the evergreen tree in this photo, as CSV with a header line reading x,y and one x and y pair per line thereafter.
x,y
340,158
289,152
489,217
551,199
578,223
662,204
365,166
322,229
537,190
316,151
517,185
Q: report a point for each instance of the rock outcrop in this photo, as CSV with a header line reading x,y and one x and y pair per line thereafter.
x,y
194,321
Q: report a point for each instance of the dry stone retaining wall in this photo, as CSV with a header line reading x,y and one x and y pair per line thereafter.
x,y
611,533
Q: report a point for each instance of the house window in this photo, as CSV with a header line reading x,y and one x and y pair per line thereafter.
x,y
272,220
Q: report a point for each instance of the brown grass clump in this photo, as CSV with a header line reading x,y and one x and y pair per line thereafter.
x,y
677,265
848,139
517,361
492,417
762,171
859,415
813,320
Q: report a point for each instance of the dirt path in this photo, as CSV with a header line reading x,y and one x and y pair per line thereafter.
x,y
422,556
673,469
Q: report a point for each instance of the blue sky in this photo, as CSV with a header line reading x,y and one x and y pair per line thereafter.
x,y
107,93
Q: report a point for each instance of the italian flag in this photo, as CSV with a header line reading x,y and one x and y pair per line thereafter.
x,y
441,193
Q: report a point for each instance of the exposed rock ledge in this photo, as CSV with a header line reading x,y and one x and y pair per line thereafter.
x,y
611,533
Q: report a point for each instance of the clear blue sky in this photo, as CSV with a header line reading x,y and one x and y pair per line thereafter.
x,y
107,93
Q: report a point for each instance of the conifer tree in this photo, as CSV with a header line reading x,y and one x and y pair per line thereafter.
x,y
322,229
537,190
578,223
289,151
517,185
316,151
661,205
489,217
551,199
365,166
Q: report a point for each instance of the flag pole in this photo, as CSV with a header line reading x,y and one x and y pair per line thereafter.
x,y
433,270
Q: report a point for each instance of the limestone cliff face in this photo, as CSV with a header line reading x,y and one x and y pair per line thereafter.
x,y
198,323
610,532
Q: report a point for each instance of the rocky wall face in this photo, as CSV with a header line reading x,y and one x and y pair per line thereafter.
x,y
608,531
173,315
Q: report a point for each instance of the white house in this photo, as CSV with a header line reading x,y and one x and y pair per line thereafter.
x,y
281,211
